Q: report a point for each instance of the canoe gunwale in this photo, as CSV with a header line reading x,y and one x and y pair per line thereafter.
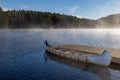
x,y
74,56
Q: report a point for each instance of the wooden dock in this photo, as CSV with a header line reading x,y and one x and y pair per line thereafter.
x,y
115,53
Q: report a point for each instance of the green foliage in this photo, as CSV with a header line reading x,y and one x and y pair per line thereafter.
x,y
1,9
36,19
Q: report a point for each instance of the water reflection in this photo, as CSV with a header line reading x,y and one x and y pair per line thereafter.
x,y
100,73
115,66
22,57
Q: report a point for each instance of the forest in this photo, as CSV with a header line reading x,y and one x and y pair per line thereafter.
x,y
24,19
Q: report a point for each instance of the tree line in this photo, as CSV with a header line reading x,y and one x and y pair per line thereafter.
x,y
19,19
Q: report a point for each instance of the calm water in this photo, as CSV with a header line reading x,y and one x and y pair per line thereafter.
x,y
23,57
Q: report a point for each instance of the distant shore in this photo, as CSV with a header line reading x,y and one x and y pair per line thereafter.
x,y
22,19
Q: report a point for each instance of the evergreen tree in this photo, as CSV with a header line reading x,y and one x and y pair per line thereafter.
x,y
37,19
1,9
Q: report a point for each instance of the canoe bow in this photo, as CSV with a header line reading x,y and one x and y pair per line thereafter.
x,y
103,59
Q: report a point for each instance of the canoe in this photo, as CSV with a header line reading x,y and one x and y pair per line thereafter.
x,y
103,59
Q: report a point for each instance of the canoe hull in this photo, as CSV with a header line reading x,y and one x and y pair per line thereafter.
x,y
104,59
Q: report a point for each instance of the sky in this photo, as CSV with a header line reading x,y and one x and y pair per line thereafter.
x,y
92,9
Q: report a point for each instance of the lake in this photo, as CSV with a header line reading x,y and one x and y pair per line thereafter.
x,y
23,56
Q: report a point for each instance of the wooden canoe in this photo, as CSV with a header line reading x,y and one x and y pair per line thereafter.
x,y
104,59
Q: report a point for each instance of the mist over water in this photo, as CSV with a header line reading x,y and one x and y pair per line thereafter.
x,y
103,38
107,38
